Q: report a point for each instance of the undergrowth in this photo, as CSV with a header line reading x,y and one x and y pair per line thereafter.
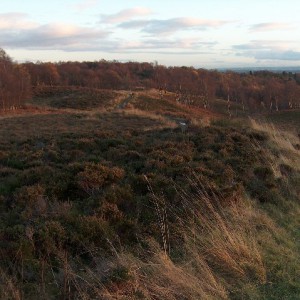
x,y
126,205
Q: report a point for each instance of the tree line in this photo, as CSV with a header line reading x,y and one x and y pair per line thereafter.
x,y
15,83
256,91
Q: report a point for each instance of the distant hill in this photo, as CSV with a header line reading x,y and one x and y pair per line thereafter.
x,y
255,69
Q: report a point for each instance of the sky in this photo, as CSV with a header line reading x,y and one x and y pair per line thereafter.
x,y
203,34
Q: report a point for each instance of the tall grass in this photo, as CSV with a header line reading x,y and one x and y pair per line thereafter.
x,y
213,249
281,242
282,148
210,252
8,287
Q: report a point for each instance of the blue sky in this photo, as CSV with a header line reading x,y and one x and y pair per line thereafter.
x,y
209,34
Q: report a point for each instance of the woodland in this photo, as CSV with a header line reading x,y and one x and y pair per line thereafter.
x,y
256,91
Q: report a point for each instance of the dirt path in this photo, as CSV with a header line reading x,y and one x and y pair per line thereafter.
x,y
125,101
29,111
120,102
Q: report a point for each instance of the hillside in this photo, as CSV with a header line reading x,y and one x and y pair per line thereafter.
x,y
133,195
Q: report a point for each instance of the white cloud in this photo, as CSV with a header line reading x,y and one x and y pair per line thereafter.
x,y
278,55
170,26
17,31
271,27
171,46
269,50
125,15
86,4
182,45
50,36
15,21
69,37
280,45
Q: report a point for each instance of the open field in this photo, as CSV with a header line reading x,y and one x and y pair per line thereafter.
x,y
99,202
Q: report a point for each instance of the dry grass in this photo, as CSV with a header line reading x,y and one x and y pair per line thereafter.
x,y
8,288
161,278
228,235
220,256
201,122
279,234
165,122
283,142
219,251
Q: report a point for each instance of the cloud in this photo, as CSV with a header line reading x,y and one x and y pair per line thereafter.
x,y
270,27
130,19
269,50
25,34
169,26
125,15
16,21
266,45
158,44
50,36
68,37
135,24
278,55
171,46
85,4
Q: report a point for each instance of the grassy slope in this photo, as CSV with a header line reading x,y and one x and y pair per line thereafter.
x,y
73,97
99,204
288,120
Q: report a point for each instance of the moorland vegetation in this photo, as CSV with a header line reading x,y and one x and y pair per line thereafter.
x,y
120,188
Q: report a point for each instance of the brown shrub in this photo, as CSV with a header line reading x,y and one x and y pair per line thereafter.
x,y
96,176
